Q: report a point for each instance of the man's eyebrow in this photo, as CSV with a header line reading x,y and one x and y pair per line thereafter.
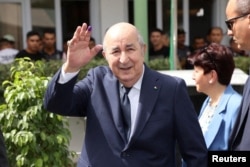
x,y
115,48
127,46
130,45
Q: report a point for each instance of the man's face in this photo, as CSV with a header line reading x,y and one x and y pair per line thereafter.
x,y
33,44
241,27
181,39
49,40
124,53
199,43
156,38
216,36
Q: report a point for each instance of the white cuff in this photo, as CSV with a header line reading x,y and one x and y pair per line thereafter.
x,y
65,77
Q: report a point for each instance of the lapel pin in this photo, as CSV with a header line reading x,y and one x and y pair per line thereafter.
x,y
155,88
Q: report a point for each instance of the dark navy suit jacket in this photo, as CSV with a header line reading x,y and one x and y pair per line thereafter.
x,y
240,137
165,115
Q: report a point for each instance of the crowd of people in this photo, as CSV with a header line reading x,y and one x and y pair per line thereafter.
x,y
38,47
159,45
43,46
161,115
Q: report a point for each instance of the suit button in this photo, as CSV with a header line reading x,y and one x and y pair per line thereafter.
x,y
125,154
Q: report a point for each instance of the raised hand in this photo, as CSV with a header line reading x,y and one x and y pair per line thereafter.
x,y
79,53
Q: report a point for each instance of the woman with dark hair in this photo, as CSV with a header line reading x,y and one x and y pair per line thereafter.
x,y
213,69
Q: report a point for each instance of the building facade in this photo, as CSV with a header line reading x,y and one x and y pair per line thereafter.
x,y
17,17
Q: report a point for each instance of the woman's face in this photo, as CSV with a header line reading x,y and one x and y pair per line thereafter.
x,y
201,79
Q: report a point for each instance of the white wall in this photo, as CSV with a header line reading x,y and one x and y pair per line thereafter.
x,y
111,12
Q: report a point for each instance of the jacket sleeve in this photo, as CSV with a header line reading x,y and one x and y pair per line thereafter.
x,y
64,99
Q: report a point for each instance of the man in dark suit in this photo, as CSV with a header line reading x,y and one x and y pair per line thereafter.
x,y
238,23
161,113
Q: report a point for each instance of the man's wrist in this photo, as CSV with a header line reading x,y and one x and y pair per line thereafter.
x,y
68,69
66,76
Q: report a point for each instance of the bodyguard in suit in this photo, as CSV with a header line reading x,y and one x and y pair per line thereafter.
x,y
158,114
238,23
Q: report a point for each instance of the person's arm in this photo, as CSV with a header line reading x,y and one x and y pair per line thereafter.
x,y
61,95
65,77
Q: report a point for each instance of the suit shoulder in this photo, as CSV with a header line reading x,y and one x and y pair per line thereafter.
x,y
100,69
235,96
168,78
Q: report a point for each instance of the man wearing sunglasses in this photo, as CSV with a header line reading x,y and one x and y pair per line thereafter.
x,y
238,23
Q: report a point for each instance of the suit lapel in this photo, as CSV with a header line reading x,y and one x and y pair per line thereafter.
x,y
244,108
113,96
148,96
218,118
214,126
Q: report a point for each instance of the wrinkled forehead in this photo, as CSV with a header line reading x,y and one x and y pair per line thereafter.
x,y
120,42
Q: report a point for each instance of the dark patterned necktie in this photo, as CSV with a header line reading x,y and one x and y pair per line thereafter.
x,y
126,111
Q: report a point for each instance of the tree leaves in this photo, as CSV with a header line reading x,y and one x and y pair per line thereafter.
x,y
33,136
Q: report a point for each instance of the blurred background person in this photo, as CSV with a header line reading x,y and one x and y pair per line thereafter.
x,y
65,47
7,52
11,40
157,49
215,34
198,43
213,69
33,41
92,44
183,51
49,50
165,39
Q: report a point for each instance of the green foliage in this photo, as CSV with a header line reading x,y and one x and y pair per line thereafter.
x,y
243,63
159,64
4,75
33,136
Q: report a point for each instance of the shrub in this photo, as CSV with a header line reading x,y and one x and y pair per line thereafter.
x,y
33,136
243,63
159,64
